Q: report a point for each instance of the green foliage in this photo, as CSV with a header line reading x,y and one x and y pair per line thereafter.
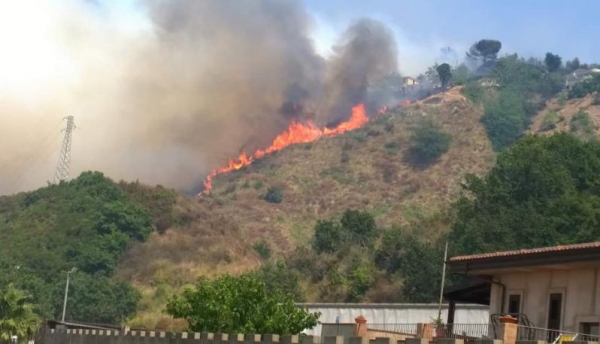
x,y
239,305
97,299
274,195
585,87
258,184
485,49
562,99
359,226
16,315
461,74
444,73
581,123
329,236
474,92
504,119
550,120
573,64
88,223
542,192
553,62
427,143
263,249
391,147
277,276
356,227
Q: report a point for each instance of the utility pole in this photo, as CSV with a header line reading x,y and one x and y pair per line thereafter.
x,y
442,287
67,292
62,169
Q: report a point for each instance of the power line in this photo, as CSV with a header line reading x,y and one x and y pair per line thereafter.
x,y
62,169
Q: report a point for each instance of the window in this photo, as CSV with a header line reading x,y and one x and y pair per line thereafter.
x,y
590,328
514,304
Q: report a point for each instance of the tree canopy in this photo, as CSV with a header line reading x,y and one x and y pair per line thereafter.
x,y
16,315
88,223
543,191
239,305
485,49
445,74
553,62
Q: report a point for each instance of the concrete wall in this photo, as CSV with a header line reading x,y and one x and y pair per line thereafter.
x,y
580,288
393,313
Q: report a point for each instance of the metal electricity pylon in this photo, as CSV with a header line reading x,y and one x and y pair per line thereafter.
x,y
62,169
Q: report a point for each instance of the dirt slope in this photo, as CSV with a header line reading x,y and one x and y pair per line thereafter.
x,y
363,169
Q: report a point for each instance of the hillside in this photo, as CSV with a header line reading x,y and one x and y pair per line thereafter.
x,y
561,115
364,170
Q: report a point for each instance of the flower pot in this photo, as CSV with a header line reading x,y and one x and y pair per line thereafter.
x,y
507,319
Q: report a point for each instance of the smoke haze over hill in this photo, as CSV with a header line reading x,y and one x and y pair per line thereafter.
x,y
172,99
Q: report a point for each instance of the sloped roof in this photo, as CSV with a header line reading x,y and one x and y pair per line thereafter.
x,y
521,252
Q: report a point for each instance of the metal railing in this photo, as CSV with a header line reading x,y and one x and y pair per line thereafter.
x,y
467,332
394,328
553,336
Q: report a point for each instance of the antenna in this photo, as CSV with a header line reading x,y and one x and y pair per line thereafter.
x,y
62,169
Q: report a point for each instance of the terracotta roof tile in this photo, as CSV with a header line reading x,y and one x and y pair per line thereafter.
x,y
528,251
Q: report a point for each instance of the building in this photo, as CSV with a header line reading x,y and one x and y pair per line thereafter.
x,y
553,288
409,81
580,75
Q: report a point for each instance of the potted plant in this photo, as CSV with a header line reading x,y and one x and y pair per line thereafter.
x,y
440,329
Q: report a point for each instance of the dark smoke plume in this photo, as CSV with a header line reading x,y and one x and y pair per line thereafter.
x,y
206,80
365,54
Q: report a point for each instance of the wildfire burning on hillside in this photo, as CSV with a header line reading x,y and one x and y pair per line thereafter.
x,y
296,133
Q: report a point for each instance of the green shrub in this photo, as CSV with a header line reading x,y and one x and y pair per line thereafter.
x,y
274,195
263,249
582,123
562,99
258,184
550,120
474,92
328,237
504,119
427,143
391,147
585,87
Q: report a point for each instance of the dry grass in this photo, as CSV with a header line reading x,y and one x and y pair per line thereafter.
x,y
566,113
363,169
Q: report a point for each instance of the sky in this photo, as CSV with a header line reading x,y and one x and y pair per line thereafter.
x,y
422,27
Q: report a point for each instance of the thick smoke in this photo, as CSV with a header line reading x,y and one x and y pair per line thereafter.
x,y
365,54
206,80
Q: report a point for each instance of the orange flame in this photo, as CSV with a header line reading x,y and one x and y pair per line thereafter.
x,y
295,133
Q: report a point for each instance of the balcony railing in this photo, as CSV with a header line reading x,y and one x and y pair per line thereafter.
x,y
553,336
471,332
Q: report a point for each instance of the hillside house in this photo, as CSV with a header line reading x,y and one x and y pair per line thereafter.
x,y
580,75
552,288
409,81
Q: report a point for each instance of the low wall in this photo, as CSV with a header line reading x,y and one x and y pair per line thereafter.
x,y
152,337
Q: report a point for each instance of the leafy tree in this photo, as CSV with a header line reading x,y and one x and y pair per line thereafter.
x,y
328,236
543,191
585,87
553,62
428,143
485,49
16,315
359,226
239,305
445,74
